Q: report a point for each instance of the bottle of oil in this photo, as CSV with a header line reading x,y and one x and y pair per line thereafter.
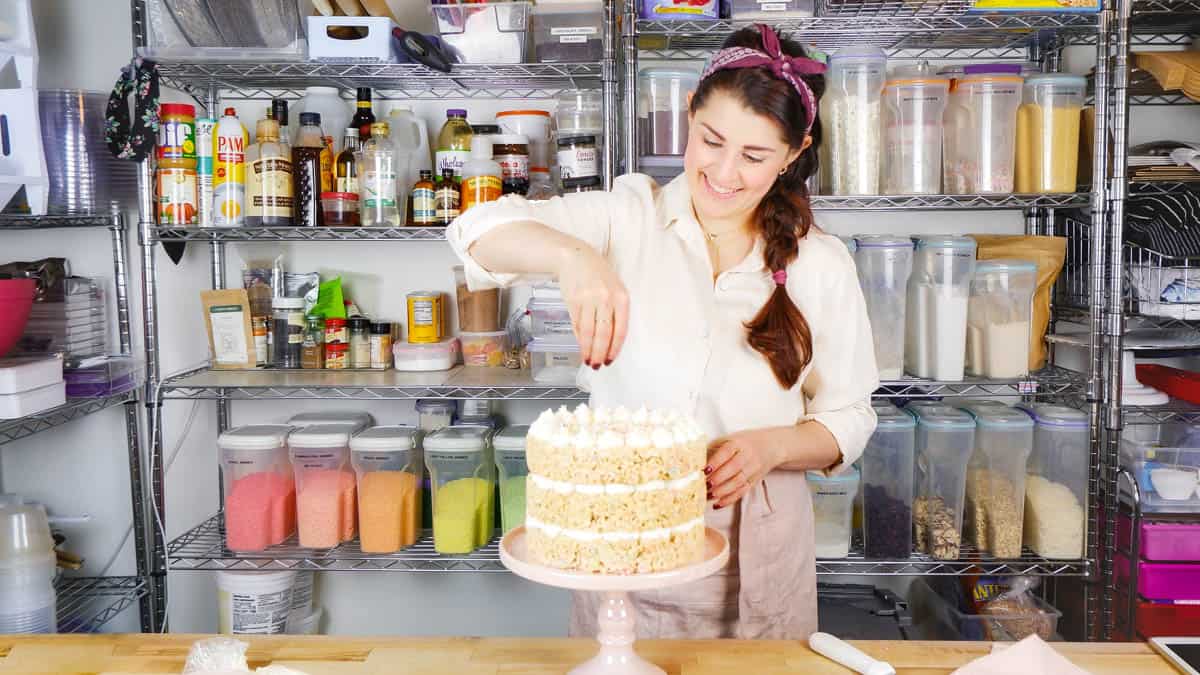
x,y
269,183
448,198
454,143
306,171
346,167
229,171
378,168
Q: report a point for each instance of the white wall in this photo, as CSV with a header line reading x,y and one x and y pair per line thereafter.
x,y
81,468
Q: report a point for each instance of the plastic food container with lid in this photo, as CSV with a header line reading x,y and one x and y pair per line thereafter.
x,y
361,419
340,208
1056,483
887,477
28,603
554,363
485,32
579,111
850,119
981,133
945,443
390,470
258,486
509,447
884,264
462,474
425,356
1048,132
568,31
551,321
913,107
833,506
936,313
740,10
433,414
1167,471
996,480
692,10
663,117
326,501
999,318
484,349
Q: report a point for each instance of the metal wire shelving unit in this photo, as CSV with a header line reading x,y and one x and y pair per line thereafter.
x,y
85,604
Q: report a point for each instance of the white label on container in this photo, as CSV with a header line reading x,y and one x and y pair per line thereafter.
x,y
262,614
578,163
514,167
553,326
558,359
572,39
422,313
767,6
228,334
574,30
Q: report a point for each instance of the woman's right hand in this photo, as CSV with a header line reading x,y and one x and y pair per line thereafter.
x,y
598,303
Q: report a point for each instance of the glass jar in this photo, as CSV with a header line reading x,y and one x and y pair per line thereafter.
x,y
511,152
850,117
337,356
936,315
381,345
335,331
577,159
287,330
360,342
312,350
999,318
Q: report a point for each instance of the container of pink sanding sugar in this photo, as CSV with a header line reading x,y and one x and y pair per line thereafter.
x,y
326,497
260,494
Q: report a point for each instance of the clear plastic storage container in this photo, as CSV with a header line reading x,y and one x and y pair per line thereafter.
x,y
663,114
509,446
425,356
326,494
361,419
936,315
104,376
434,414
1000,317
485,32
851,120
579,111
884,264
554,363
981,134
913,106
1048,132
887,477
945,442
483,349
996,480
262,30
1167,471
1056,486
742,10
833,506
551,321
390,470
463,476
568,31
28,602
258,486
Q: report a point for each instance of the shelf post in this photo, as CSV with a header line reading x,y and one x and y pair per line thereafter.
x,y
609,83
629,110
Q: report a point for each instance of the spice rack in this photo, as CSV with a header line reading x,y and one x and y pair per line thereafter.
x,y
85,604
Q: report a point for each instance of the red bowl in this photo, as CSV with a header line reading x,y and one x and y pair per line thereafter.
x,y
16,299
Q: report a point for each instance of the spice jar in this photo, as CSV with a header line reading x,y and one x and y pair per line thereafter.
x,y
381,345
312,350
335,331
337,356
341,209
261,328
360,342
511,152
288,331
577,158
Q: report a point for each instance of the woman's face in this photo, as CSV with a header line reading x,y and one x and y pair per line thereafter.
x,y
733,157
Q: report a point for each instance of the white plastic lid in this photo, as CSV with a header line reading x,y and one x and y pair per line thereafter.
x,y
883,241
322,436
359,417
394,438
1002,418
510,139
1011,266
422,350
459,438
848,476
481,146
511,439
255,437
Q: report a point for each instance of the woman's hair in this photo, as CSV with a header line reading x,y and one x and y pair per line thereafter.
x,y
783,217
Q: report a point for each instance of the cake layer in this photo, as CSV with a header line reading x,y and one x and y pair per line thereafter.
x,y
620,464
631,554
634,508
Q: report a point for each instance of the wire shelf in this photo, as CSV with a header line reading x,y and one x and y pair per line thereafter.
x,y
1166,98
1151,277
993,36
167,233
85,604
877,8
1175,411
257,80
19,222
1144,7
949,202
1052,381
73,409
203,548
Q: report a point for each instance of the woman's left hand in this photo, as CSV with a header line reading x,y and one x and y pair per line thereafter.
x,y
736,463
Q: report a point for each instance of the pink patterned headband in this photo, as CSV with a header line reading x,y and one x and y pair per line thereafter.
x,y
787,68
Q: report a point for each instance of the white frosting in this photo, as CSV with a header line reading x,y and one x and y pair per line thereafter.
x,y
586,489
637,438
583,415
607,429
656,417
652,486
561,437
662,438
601,416
618,489
679,434
564,487
640,417
621,414
583,439
553,531
610,439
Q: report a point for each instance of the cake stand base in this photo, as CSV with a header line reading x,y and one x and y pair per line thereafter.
x,y
616,616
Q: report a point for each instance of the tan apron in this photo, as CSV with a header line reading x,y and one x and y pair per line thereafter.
x,y
767,591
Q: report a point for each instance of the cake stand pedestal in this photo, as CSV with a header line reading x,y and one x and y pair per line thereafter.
x,y
617,633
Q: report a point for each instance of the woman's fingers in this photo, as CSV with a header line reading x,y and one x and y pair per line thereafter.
x,y
620,324
585,330
602,340
722,502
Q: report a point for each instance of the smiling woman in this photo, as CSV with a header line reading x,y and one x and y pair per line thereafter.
x,y
715,296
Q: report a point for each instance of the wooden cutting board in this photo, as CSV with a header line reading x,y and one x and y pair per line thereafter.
x,y
321,655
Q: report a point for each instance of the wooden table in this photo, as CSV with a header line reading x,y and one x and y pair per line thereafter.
x,y
320,655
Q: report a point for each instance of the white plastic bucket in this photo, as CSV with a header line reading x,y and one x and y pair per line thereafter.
x,y
311,624
254,603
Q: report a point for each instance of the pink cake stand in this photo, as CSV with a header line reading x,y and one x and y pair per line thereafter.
x,y
617,634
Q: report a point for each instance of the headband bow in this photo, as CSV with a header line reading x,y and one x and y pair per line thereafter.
x,y
790,69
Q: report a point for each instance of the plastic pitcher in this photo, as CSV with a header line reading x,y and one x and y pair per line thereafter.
x,y
945,442
884,264
995,495
410,138
1048,133
999,317
981,134
334,111
259,487
850,117
887,476
936,316
913,106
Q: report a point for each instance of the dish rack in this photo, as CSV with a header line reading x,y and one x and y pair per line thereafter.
x,y
1162,285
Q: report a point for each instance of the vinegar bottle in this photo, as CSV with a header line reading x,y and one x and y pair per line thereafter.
x,y
377,169
306,171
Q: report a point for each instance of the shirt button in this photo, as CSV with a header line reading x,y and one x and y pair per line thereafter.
x,y
704,331
723,284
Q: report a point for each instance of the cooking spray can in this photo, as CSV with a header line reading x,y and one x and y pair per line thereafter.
x,y
229,171
204,169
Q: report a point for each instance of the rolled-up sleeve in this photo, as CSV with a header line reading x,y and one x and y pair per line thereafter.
x,y
843,373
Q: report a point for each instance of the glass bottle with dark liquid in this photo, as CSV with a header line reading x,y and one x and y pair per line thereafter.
x,y
306,170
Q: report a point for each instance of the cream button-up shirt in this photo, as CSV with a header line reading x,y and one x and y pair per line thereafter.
x,y
686,346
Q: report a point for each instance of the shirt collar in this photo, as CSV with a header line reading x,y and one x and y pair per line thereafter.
x,y
675,204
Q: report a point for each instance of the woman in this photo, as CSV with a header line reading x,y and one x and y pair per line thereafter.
x,y
714,295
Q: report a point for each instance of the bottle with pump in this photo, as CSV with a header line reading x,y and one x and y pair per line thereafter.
x,y
447,198
269,178
229,171
364,117
424,200
481,175
346,166
377,164
306,171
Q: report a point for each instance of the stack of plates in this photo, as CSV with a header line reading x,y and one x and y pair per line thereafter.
x,y
75,326
84,176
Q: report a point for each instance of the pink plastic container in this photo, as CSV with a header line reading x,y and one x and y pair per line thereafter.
x,y
1162,581
1167,542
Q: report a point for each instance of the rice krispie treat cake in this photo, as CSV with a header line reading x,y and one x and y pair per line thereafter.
x,y
615,492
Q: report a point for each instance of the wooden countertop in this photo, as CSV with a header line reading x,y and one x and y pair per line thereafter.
x,y
321,655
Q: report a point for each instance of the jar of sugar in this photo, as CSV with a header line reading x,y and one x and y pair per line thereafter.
x,y
259,492
936,313
999,315
326,494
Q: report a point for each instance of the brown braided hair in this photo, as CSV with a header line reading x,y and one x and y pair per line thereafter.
x,y
779,331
